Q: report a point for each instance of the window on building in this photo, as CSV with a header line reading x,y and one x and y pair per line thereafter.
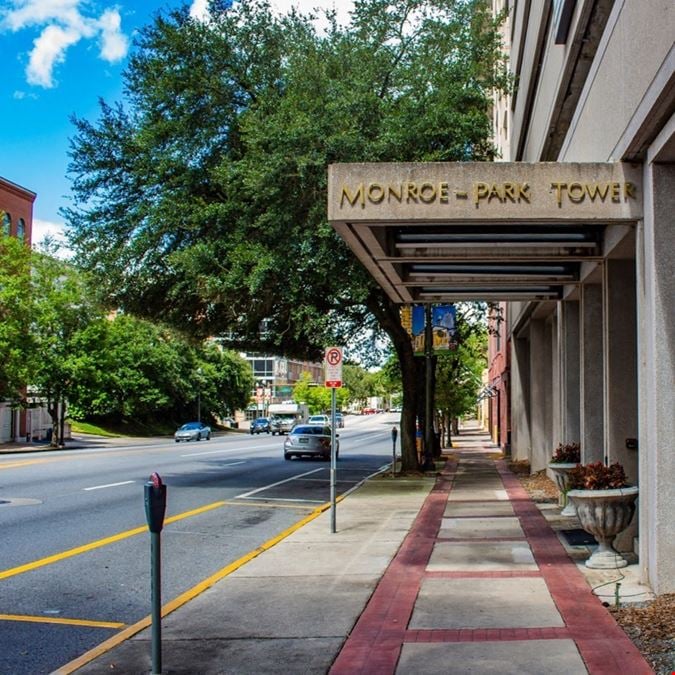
x,y
21,229
6,224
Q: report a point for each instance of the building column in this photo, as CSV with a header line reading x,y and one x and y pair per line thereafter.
x,y
520,398
620,344
540,394
570,391
592,379
656,341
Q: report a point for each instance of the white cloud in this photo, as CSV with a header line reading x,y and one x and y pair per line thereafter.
x,y
114,43
49,49
200,10
45,228
63,26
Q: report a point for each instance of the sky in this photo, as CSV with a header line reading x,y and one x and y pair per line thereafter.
x,y
59,57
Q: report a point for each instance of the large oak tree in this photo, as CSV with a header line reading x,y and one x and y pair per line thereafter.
x,y
202,198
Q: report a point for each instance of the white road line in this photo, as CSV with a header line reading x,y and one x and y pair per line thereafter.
x,y
100,487
267,487
218,452
281,499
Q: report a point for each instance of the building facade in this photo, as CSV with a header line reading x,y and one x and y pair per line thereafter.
x,y
595,82
16,214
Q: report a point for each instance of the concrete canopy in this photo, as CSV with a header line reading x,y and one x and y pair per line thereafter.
x,y
444,232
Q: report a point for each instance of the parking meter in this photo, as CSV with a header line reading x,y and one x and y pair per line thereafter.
x,y
394,435
155,503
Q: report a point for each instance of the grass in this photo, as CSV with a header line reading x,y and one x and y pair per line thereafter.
x,y
121,429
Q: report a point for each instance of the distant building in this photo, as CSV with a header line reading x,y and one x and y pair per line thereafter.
x,y
274,378
16,213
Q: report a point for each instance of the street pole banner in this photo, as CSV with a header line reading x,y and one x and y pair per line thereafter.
x,y
332,363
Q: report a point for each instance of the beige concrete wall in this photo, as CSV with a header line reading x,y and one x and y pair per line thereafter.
x,y
639,35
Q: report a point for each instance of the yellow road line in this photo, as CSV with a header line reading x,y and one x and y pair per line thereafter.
x,y
182,599
26,462
53,619
101,542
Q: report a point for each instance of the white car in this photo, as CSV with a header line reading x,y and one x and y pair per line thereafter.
x,y
323,420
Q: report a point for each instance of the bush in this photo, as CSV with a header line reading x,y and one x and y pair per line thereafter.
x,y
597,476
567,453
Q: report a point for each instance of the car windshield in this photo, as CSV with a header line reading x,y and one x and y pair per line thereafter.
x,y
311,431
190,425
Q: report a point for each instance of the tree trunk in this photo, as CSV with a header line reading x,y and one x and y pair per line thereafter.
x,y
389,318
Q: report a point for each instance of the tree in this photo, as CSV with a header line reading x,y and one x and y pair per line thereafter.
x,y
15,315
203,201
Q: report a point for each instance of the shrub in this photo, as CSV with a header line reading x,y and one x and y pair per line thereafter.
x,y
567,453
597,476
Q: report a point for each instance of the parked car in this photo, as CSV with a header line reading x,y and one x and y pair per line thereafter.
x,y
282,425
192,431
310,439
260,425
319,419
339,420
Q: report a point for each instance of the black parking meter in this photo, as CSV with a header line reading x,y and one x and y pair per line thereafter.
x,y
394,435
155,503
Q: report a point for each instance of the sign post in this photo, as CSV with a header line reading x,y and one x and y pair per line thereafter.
x,y
333,380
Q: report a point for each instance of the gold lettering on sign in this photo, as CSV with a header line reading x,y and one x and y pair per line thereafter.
x,y
502,192
577,193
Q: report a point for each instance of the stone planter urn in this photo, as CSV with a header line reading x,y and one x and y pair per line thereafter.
x,y
605,513
561,471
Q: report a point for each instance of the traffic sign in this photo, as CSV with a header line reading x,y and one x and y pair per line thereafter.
x,y
333,367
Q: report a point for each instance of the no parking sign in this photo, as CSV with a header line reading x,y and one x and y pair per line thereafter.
x,y
332,363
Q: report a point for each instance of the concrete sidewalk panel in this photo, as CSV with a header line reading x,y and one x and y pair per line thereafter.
x,y
221,656
340,558
263,608
481,528
481,556
552,657
478,509
466,494
484,603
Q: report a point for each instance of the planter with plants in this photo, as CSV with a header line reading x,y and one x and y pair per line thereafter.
x,y
605,505
565,458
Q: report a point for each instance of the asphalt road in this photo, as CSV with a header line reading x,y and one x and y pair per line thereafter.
x,y
74,545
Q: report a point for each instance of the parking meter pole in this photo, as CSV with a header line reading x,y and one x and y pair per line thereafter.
x,y
155,508
333,462
394,434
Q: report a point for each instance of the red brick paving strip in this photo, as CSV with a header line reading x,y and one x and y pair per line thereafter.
x,y
374,645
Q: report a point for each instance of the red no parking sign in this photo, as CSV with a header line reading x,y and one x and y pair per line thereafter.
x,y
332,363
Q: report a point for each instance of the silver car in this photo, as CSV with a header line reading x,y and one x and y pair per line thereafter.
x,y
310,440
192,431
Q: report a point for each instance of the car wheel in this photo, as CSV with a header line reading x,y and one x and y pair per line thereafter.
x,y
287,456
177,441
208,437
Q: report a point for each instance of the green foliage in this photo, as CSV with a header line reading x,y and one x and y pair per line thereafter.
x,y
597,476
15,315
317,397
458,373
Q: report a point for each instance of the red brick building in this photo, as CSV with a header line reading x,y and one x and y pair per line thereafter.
x,y
16,220
499,349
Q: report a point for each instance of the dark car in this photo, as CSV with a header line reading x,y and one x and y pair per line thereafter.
x,y
192,431
260,425
311,440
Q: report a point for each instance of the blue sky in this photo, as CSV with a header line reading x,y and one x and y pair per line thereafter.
x,y
58,58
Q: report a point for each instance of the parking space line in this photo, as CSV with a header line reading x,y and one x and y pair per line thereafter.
x,y
271,485
26,618
14,571
101,487
282,499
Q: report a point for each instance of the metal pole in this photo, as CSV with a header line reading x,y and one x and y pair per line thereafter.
x,y
333,462
394,434
429,402
156,592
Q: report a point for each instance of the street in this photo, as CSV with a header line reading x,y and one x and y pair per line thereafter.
x,y
75,553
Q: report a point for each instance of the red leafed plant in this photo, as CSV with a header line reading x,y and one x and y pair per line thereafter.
x,y
567,453
597,476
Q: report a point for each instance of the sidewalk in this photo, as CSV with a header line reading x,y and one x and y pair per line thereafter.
x,y
460,574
